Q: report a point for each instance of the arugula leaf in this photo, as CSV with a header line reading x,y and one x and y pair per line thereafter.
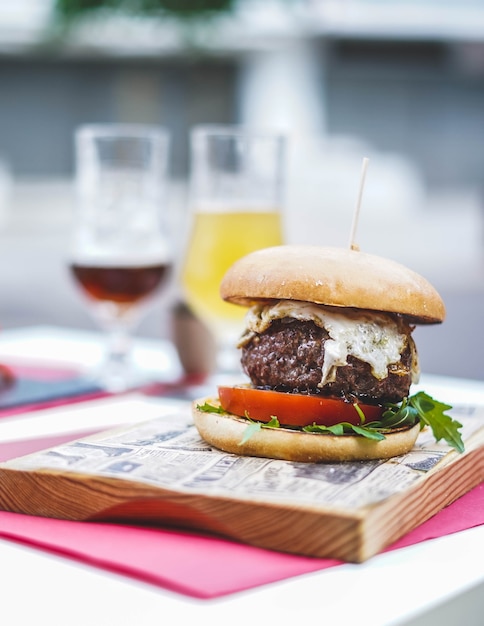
x,y
345,428
419,407
255,427
252,429
210,408
397,416
272,423
369,433
360,412
432,413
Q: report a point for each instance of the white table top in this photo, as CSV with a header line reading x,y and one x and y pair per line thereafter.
x,y
397,587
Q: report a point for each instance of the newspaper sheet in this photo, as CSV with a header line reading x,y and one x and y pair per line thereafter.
x,y
168,452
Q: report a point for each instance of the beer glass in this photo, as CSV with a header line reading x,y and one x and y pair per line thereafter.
x,y
236,187
120,256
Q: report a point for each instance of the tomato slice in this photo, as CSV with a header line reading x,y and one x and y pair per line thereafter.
x,y
292,409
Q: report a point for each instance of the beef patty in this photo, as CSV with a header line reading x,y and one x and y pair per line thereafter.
x,y
289,356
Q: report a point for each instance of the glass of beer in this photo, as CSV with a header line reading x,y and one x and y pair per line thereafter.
x,y
236,188
120,256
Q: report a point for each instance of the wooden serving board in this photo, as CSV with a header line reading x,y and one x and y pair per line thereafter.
x,y
161,473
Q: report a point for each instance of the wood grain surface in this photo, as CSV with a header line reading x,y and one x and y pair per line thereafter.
x,y
294,528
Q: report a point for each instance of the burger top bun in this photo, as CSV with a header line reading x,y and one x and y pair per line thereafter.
x,y
337,277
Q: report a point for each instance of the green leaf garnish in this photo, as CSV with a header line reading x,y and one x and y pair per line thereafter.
x,y
369,433
272,423
419,407
345,428
254,427
210,408
432,413
429,412
397,416
360,412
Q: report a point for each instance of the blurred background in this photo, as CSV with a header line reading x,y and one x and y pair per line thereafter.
x,y
400,82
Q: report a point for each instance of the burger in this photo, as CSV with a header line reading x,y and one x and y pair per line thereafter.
x,y
329,353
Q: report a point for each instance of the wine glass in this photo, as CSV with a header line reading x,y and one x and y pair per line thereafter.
x,y
236,185
120,256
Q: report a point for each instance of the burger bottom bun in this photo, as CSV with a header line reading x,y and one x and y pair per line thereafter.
x,y
226,432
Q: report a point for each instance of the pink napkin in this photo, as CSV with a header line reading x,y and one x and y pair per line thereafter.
x,y
188,563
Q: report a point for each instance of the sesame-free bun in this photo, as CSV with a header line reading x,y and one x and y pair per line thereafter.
x,y
226,431
339,277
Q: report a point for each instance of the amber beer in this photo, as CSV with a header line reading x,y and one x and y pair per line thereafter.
x,y
122,284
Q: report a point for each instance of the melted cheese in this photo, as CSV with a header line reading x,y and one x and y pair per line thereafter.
x,y
375,338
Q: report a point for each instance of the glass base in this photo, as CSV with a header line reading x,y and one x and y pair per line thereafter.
x,y
116,377
116,372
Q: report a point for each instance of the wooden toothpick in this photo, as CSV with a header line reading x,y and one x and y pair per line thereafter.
x,y
356,214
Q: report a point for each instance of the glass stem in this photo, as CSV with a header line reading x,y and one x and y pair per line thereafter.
x,y
117,361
